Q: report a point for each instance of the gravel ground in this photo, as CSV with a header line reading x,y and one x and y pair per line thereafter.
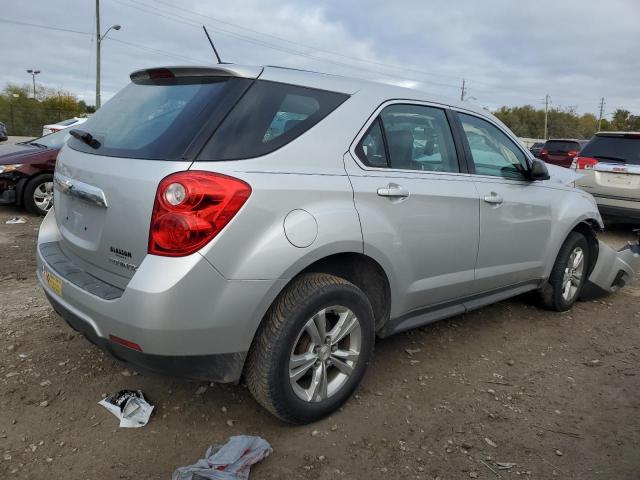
x,y
549,395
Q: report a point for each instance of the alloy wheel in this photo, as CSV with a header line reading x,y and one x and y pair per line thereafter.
x,y
573,273
325,353
43,196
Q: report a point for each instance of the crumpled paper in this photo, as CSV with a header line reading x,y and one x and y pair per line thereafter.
x,y
129,406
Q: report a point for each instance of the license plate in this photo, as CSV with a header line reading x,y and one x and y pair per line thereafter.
x,y
54,282
618,179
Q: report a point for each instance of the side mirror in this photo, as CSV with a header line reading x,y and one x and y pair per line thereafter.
x,y
538,170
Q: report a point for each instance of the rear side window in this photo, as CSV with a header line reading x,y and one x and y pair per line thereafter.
x,y
615,149
561,146
269,116
154,120
417,138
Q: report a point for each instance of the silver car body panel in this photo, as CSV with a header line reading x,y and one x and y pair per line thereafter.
x,y
444,250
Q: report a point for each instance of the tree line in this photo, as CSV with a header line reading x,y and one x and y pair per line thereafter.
x,y
528,122
24,115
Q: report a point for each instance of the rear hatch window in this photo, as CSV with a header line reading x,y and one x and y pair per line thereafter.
x,y
155,119
561,146
615,149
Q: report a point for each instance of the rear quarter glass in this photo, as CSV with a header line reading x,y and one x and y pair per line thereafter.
x,y
160,119
269,116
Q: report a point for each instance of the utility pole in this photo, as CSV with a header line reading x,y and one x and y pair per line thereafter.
x,y
99,39
601,113
462,91
33,74
97,54
546,114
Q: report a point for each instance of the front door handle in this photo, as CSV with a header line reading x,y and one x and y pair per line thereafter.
x,y
493,199
393,191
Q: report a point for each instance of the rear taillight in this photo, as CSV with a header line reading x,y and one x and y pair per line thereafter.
x,y
544,152
572,153
584,163
191,208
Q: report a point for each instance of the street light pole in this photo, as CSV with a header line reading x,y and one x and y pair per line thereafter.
x,y
33,74
99,39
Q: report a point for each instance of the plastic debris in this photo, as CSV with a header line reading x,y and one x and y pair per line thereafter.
x,y
129,406
231,461
16,220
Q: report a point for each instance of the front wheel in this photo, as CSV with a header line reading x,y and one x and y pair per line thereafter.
x,y
312,349
568,275
38,194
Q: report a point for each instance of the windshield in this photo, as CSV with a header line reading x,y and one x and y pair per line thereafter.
x,y
153,120
53,140
620,148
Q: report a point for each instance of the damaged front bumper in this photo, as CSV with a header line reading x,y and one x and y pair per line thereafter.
x,y
613,270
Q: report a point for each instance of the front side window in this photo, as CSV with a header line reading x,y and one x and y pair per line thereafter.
x,y
493,152
417,138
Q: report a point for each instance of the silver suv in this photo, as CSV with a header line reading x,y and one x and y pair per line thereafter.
x,y
269,223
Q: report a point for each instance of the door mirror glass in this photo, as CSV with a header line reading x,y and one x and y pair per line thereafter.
x,y
538,170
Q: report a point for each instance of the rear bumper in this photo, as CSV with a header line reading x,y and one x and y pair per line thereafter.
x,y
186,317
622,214
222,368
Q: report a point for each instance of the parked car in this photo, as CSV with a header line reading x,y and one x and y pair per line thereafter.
x,y
26,172
536,148
561,152
230,221
610,163
56,127
4,136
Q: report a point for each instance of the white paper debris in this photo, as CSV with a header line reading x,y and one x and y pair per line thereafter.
x,y
129,406
16,220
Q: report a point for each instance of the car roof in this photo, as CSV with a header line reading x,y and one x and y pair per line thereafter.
x,y
618,134
311,79
565,140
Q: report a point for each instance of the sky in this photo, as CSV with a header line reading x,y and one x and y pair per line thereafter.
x,y
509,52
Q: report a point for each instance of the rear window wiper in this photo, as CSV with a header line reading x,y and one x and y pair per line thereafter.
x,y
85,137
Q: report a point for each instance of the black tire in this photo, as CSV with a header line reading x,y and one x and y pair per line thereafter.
x,y
267,366
552,294
30,188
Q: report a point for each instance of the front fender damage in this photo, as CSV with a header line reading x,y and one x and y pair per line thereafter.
x,y
613,270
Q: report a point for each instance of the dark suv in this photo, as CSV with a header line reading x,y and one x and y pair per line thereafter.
x,y
26,172
561,152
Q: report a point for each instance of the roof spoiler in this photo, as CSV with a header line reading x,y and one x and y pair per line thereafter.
x,y
222,70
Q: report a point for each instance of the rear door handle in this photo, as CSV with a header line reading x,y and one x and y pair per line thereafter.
x,y
493,199
394,191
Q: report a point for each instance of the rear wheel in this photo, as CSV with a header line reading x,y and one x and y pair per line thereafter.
x,y
38,194
568,275
312,349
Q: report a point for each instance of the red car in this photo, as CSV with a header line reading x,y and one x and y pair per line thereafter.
x,y
560,151
26,172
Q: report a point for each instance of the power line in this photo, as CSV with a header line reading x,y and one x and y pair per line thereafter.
x,y
47,27
155,11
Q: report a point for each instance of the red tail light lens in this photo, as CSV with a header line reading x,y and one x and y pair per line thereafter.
x,y
585,163
544,152
191,208
572,153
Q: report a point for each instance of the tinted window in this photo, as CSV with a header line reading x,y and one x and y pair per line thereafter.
x,y
614,149
269,116
153,120
493,152
418,138
561,146
371,148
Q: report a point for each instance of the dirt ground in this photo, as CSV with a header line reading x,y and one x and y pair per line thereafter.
x,y
558,395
